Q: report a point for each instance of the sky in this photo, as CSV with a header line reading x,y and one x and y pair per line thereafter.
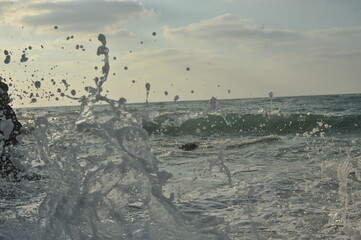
x,y
194,49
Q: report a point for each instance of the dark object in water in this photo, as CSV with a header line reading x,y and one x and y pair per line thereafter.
x,y
9,130
189,146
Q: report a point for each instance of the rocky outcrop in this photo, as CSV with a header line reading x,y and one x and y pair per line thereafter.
x,y
9,131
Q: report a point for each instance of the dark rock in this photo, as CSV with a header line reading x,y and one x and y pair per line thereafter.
x,y
9,130
189,146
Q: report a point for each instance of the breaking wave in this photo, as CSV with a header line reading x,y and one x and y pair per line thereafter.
x,y
180,123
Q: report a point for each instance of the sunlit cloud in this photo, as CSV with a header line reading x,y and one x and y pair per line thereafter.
x,y
230,28
78,16
235,32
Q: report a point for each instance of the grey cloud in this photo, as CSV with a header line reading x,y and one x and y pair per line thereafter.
x,y
338,33
4,5
350,55
81,15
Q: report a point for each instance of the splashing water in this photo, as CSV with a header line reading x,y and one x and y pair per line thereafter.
x,y
176,98
113,191
147,88
213,103
271,99
220,163
252,174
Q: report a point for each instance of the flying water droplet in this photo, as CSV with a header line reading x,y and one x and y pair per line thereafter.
x,y
147,87
7,59
23,58
37,84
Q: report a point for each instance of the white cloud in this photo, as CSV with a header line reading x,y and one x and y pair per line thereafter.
x,y
232,31
230,28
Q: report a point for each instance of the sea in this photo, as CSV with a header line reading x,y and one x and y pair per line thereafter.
x,y
260,168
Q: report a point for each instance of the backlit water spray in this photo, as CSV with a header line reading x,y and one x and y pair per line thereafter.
x,y
147,88
113,191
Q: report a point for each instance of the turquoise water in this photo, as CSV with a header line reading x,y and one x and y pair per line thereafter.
x,y
286,170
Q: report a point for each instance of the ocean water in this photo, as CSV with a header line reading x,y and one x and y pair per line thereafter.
x,y
293,173
267,168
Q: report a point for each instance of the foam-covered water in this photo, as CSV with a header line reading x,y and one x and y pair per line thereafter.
x,y
270,168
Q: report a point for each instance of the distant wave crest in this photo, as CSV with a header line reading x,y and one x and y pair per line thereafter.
x,y
235,124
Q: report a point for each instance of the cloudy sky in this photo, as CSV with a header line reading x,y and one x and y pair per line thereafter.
x,y
233,48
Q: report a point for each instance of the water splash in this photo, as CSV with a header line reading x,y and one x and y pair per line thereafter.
x,y
271,99
220,162
147,88
213,103
107,185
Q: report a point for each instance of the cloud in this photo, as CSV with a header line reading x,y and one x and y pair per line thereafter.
x,y
166,58
229,27
239,34
4,5
337,32
340,55
80,15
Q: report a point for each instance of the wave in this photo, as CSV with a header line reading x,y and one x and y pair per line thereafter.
x,y
181,123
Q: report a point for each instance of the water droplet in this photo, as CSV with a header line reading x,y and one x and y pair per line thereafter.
x,y
188,69
102,39
73,92
154,33
125,68
37,84
7,59
23,58
166,93
55,27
